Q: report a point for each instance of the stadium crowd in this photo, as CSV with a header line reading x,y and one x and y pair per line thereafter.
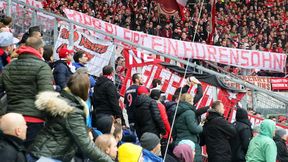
x,y
254,25
56,111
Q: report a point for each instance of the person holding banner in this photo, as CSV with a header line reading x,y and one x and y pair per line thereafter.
x,y
186,125
191,81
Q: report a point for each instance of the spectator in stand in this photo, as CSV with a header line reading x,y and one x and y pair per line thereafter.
x,y
262,147
105,124
80,59
129,152
107,144
171,107
155,95
130,97
48,55
151,143
239,144
23,79
184,153
118,132
191,81
186,125
62,71
66,119
35,31
280,140
151,121
14,128
7,42
106,98
5,23
217,133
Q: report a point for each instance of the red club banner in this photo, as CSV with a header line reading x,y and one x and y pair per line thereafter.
x,y
151,68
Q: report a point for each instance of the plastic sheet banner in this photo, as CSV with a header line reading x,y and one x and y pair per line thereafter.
x,y
153,68
99,52
249,59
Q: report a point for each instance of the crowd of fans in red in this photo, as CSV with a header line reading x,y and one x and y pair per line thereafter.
x,y
252,24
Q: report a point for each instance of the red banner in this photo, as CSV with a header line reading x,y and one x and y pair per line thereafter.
x,y
150,69
262,82
279,84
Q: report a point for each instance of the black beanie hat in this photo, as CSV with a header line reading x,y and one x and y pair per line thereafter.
x,y
241,114
104,124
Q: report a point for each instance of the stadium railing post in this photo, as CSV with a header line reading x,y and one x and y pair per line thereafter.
x,y
71,35
55,31
9,5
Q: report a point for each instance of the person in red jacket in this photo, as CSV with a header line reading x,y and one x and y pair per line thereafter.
x,y
155,94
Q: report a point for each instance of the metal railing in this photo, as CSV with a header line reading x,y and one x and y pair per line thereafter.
x,y
50,35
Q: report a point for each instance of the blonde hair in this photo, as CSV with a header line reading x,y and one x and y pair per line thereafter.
x,y
186,97
104,141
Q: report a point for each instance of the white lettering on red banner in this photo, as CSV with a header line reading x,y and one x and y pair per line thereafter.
x,y
279,84
237,57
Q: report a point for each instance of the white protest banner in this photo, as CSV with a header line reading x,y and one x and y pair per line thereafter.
x,y
99,52
249,59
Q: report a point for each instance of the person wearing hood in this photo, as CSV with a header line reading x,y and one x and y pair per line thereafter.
x,y
262,148
186,125
280,140
65,131
217,132
105,97
62,71
239,144
147,115
23,79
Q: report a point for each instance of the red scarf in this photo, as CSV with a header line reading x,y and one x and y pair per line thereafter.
x,y
109,76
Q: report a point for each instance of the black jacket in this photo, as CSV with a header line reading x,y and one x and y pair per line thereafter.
x,y
282,152
147,116
216,135
105,98
61,73
240,143
11,149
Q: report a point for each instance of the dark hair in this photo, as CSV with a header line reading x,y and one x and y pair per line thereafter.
x,y
34,29
78,55
174,97
48,52
155,82
215,104
107,70
6,20
119,58
79,85
134,77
